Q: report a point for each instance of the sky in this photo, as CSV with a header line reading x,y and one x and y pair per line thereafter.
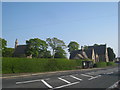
x,y
87,23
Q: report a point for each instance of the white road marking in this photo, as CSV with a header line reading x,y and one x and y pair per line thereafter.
x,y
75,77
90,73
86,75
66,85
46,83
114,85
47,79
94,77
109,73
62,76
64,80
28,81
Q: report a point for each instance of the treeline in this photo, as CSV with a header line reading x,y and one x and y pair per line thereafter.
x,y
49,48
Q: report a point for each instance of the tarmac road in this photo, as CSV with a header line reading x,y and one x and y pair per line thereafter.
x,y
95,78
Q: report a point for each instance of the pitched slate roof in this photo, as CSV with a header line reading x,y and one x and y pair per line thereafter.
x,y
89,52
74,53
20,49
100,50
79,53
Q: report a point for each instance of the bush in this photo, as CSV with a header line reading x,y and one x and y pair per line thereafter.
x,y
79,62
21,65
24,65
111,64
101,64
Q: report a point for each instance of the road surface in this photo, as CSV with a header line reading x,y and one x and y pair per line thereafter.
x,y
95,78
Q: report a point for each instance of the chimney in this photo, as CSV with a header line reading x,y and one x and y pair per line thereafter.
x,y
16,43
82,48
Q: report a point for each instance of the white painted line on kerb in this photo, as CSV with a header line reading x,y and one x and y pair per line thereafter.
x,y
66,85
75,77
49,86
28,81
86,75
64,80
94,77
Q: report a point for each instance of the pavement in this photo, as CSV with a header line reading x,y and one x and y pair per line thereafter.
x,y
102,78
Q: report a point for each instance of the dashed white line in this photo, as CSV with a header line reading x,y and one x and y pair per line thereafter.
x,y
75,77
94,77
49,86
64,80
66,85
86,75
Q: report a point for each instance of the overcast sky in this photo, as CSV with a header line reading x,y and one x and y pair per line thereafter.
x,y
84,22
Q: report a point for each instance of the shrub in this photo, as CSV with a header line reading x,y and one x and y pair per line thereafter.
x,y
23,65
111,64
101,64
79,62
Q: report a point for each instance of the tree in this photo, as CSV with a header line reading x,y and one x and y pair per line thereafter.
x,y
111,54
3,44
54,43
47,54
8,52
95,45
85,47
73,46
35,46
60,53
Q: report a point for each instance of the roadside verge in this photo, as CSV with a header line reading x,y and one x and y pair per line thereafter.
x,y
5,76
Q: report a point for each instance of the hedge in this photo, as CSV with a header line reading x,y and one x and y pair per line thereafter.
x,y
111,64
23,65
104,64
101,64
